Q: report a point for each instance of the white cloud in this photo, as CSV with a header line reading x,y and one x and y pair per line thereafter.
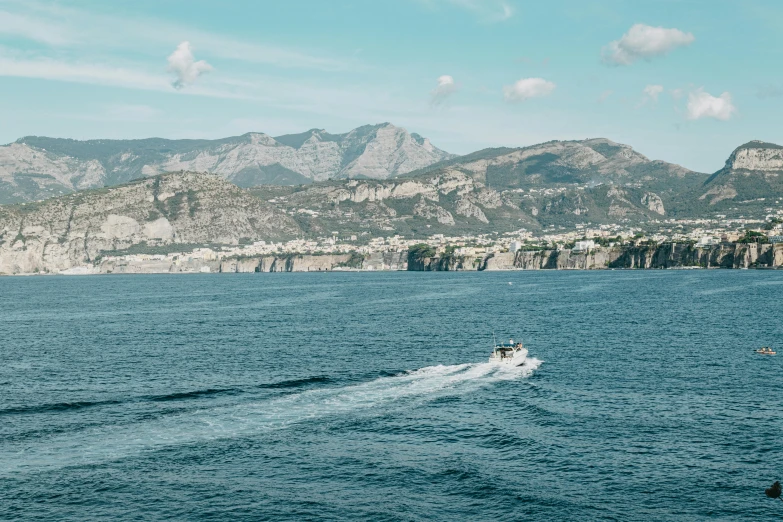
x,y
84,30
644,42
676,94
281,57
185,67
112,76
48,69
651,93
446,87
702,104
12,24
528,88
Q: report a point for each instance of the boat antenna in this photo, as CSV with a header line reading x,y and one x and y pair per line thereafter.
x,y
494,341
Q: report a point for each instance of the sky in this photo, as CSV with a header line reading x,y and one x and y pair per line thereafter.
x,y
685,81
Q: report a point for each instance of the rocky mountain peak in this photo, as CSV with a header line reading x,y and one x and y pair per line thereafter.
x,y
310,137
259,138
370,130
612,150
752,173
419,139
756,155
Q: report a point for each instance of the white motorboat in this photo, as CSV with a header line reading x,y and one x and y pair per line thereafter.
x,y
513,354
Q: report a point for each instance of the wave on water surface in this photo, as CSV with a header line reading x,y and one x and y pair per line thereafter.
x,y
55,407
175,396
106,443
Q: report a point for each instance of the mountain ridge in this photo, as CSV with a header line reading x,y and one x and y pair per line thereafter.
x,y
555,183
549,187
35,167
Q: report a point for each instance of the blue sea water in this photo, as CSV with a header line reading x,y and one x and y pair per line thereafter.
x,y
367,396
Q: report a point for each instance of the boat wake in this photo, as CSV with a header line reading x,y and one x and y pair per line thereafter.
x,y
112,442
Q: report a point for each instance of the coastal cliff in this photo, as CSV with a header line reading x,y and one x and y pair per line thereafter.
x,y
667,255
250,264
727,255
664,256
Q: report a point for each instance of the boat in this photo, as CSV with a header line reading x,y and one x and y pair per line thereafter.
x,y
511,353
766,350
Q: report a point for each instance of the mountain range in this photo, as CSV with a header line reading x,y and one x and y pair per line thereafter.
x,y
34,168
553,184
375,180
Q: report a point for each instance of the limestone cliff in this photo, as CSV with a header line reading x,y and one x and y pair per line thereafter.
x,y
184,263
757,155
448,200
729,255
667,255
173,209
753,172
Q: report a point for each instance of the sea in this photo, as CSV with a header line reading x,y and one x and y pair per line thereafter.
x,y
368,396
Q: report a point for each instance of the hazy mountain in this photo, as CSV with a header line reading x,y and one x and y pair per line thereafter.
x,y
560,183
37,167
587,162
566,182
556,183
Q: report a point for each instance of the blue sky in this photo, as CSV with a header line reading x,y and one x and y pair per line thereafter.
x,y
680,80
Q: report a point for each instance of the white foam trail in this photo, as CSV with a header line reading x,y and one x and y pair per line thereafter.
x,y
108,443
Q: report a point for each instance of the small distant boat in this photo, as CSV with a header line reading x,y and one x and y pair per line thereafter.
x,y
766,350
513,354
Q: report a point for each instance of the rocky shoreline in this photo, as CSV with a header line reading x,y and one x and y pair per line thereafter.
x,y
666,255
646,257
